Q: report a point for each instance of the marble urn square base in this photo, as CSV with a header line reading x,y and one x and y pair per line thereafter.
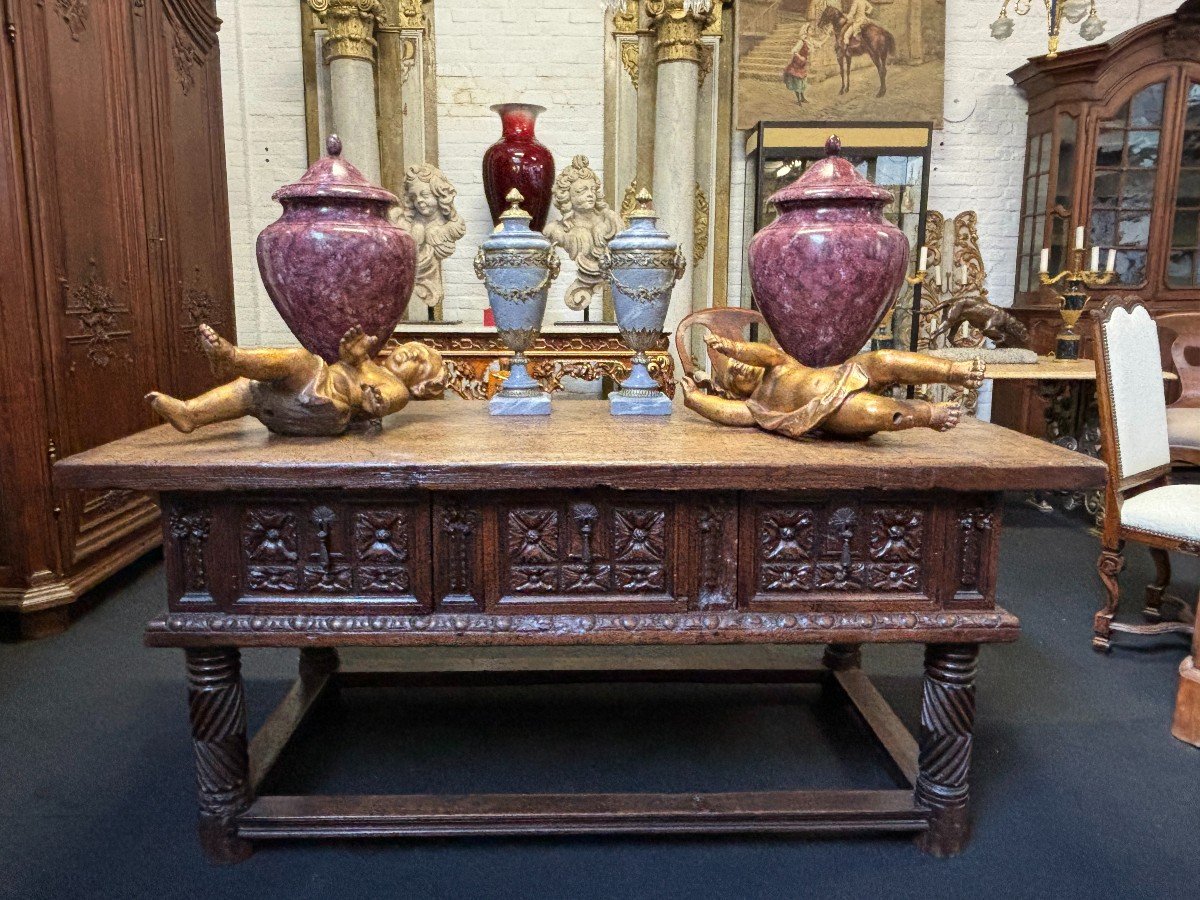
x,y
620,404
500,405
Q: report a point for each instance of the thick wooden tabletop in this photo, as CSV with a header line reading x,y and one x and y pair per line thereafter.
x,y
456,445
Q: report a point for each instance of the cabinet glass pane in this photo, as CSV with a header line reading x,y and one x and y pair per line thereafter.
x,y
1127,151
1066,161
1185,230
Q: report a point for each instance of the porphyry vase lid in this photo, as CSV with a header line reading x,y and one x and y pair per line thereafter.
x,y
334,260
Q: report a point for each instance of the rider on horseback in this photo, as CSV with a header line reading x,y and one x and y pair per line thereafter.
x,y
859,15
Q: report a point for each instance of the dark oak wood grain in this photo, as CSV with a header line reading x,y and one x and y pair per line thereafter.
x,y
456,445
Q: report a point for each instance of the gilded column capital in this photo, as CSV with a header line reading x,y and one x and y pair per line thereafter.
x,y
404,15
678,26
351,25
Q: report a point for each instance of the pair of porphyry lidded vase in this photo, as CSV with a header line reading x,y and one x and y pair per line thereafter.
x,y
823,273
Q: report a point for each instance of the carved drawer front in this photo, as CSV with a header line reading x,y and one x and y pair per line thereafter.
x,y
833,551
589,550
975,536
329,551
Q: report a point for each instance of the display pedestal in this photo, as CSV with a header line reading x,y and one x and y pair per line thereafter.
x,y
445,529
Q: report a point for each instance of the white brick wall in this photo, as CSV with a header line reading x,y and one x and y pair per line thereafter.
x,y
552,52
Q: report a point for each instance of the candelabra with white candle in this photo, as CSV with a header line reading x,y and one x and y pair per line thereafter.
x,y
1076,280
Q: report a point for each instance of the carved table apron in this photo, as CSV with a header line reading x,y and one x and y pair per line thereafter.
x,y
446,528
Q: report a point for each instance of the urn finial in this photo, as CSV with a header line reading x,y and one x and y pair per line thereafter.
x,y
514,199
833,146
645,206
333,145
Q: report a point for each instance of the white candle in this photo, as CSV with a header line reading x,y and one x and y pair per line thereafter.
x,y
921,266
1079,238
1095,263
937,275
1045,269
1112,260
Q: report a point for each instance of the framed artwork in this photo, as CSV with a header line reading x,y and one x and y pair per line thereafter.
x,y
841,60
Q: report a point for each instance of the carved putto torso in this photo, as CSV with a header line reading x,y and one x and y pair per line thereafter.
x,y
586,227
427,213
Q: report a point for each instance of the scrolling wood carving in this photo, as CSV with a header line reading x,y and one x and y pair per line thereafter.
x,y
976,527
832,626
459,524
96,310
190,530
839,548
75,13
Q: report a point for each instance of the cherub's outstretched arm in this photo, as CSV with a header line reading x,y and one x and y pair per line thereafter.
x,y
716,409
750,352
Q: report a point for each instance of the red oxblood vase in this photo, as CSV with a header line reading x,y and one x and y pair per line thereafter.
x,y
826,271
519,160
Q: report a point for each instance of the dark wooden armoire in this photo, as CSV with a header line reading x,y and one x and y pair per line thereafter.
x,y
115,246
1113,145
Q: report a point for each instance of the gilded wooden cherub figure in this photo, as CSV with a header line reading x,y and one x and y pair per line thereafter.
x,y
295,392
766,387
586,227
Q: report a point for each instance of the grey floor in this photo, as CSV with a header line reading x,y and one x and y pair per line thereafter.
x,y
1079,789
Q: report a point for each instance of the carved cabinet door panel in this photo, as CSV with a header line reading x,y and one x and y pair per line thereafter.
x,y
837,552
186,200
98,329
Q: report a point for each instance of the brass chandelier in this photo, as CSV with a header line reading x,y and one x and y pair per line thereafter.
x,y
1056,10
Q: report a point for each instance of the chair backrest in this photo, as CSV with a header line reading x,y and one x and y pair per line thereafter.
x,y
1131,377
1184,328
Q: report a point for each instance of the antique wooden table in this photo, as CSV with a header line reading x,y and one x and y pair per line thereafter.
x,y
448,528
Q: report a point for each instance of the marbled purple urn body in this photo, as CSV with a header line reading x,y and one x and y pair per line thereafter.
x,y
333,260
826,271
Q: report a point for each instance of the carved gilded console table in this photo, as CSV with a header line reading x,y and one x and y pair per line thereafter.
x,y
445,529
471,356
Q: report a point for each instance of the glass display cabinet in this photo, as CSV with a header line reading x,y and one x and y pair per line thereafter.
x,y
895,157
1113,145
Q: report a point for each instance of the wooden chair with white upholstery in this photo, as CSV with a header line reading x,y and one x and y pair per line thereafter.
x,y
1141,504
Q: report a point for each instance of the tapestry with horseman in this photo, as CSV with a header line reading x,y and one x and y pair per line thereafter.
x,y
841,60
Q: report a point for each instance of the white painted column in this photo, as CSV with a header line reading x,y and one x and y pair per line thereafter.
x,y
350,55
352,83
677,26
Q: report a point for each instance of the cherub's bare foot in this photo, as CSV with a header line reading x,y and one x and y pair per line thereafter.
x,y
945,416
372,401
174,411
970,373
356,347
219,351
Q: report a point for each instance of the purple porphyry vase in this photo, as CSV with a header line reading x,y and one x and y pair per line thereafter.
x,y
333,260
825,272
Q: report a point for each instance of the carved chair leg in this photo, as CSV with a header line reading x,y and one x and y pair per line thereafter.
x,y
1186,726
947,722
842,657
1162,580
217,707
1110,565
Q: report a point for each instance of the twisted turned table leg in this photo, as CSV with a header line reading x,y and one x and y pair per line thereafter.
x,y
217,708
947,721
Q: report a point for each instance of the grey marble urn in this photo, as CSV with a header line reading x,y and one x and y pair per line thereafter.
x,y
641,265
516,265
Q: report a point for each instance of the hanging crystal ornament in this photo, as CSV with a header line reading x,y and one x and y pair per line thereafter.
x,y
1056,10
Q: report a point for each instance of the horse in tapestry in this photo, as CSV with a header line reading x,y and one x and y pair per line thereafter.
x,y
873,40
